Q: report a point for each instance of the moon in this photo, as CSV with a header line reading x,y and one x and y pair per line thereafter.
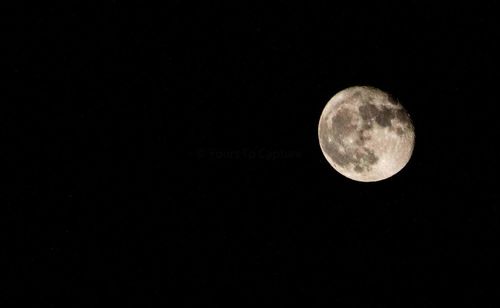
x,y
366,134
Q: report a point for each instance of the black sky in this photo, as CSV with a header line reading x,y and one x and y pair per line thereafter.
x,y
170,154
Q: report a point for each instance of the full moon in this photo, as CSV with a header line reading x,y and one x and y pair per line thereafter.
x,y
365,134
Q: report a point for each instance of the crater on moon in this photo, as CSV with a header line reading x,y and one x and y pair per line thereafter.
x,y
366,134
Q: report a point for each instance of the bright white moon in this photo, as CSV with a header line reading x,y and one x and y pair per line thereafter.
x,y
365,134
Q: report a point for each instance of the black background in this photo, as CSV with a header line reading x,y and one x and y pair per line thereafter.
x,y
169,156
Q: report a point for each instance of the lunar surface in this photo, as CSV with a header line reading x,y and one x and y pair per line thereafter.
x,y
365,134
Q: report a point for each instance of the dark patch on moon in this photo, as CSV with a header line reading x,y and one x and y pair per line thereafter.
x,y
361,157
367,125
341,126
404,119
370,157
342,122
391,99
331,147
384,116
402,116
366,160
333,150
356,95
362,138
368,111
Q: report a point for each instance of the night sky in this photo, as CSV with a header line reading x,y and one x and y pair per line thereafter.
x,y
169,155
